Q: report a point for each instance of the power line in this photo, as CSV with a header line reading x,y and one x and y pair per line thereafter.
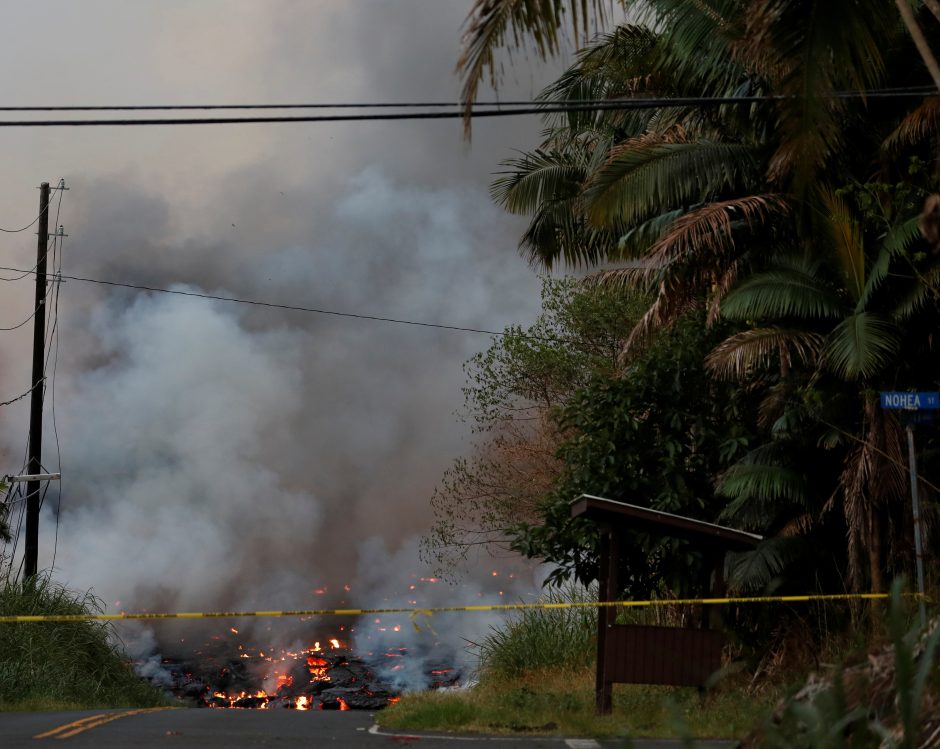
x,y
336,105
550,108
906,90
17,327
31,223
21,395
276,305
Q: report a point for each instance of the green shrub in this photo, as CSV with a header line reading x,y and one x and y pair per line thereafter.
x,y
72,663
540,638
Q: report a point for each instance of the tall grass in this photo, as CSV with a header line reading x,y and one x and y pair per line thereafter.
x,y
543,638
62,663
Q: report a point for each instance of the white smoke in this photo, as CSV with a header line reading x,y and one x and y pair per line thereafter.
x,y
170,495
407,649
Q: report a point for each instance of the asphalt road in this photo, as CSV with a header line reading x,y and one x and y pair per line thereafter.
x,y
173,729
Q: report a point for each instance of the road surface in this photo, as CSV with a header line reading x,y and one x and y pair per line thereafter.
x,y
208,729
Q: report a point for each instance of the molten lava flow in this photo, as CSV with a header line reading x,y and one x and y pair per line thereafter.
x,y
317,668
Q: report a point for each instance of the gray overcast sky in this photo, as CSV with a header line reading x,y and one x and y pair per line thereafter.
x,y
194,433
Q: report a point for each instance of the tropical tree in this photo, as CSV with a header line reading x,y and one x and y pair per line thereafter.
x,y
515,390
789,217
660,434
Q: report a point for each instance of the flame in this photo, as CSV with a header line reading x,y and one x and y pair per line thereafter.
x,y
342,704
233,630
334,643
317,667
302,703
284,680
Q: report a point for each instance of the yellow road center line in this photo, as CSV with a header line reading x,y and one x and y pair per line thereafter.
x,y
93,721
65,727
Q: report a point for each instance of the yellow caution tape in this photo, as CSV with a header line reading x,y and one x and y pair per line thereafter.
x,y
415,612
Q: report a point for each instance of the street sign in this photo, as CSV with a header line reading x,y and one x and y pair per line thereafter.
x,y
905,401
913,405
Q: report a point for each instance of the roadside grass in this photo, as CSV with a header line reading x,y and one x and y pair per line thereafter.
x,y
543,638
556,701
62,665
537,677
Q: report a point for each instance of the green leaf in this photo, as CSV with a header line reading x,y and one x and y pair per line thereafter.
x,y
780,293
861,346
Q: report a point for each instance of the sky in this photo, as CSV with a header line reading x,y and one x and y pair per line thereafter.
x,y
225,455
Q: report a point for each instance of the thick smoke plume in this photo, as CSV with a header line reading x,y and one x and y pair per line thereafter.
x,y
221,456
234,457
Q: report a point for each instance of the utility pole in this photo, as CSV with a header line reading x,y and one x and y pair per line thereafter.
x,y
34,461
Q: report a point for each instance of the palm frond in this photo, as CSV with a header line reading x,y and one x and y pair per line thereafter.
x,y
810,49
751,571
537,177
556,234
614,66
861,346
696,43
638,240
765,477
643,177
710,229
846,235
721,288
494,23
924,290
780,293
921,123
759,348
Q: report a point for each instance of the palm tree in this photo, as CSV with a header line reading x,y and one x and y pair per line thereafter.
x,y
742,209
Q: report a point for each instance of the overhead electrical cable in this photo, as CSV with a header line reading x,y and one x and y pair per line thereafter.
x,y
17,327
288,307
17,231
20,396
907,90
508,111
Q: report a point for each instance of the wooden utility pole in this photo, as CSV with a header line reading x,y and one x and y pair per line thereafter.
x,y
34,461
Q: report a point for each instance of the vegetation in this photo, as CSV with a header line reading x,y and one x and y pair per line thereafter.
x,y
62,665
780,259
777,250
891,699
559,701
537,676
4,512
514,392
537,639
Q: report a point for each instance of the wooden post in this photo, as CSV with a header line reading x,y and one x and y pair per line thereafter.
x,y
607,590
